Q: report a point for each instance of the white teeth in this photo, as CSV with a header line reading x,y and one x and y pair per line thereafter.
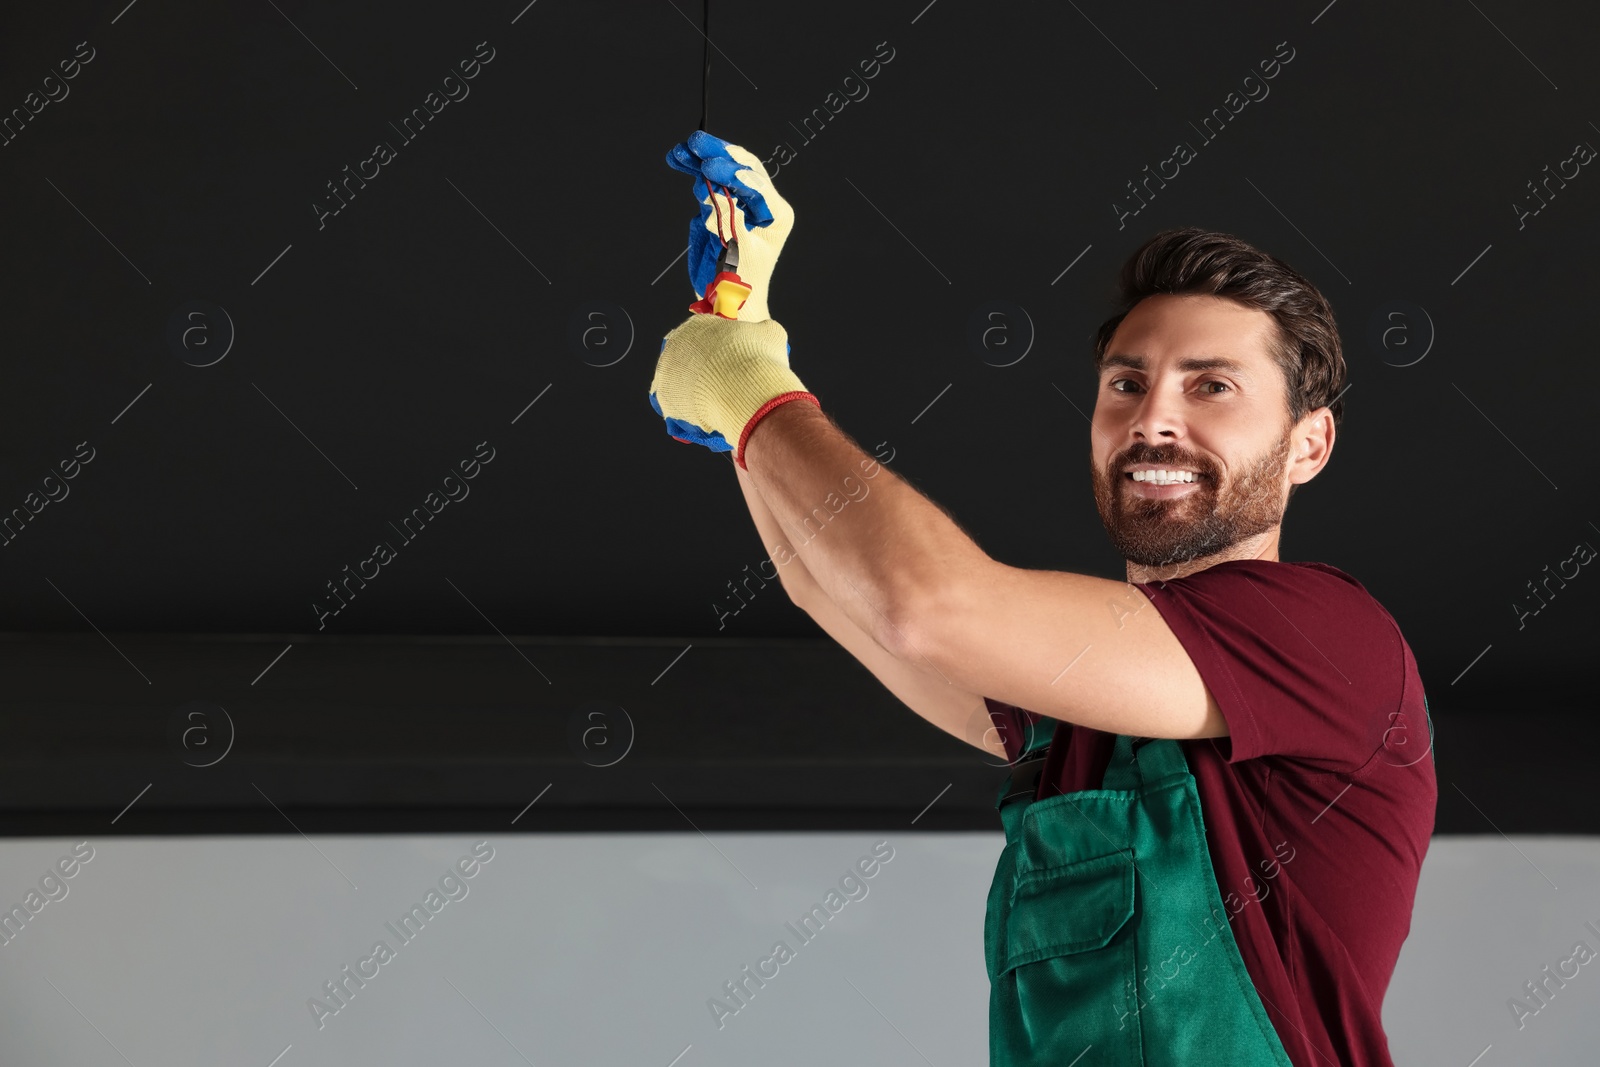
x,y
1163,477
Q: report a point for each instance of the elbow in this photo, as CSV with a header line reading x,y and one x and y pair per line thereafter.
x,y
908,627
800,588
798,595
929,614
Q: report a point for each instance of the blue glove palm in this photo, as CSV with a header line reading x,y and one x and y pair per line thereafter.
x,y
755,216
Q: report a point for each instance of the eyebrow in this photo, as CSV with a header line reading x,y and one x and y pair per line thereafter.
x,y
1188,363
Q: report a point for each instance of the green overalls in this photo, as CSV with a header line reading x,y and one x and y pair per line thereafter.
x,y
1106,937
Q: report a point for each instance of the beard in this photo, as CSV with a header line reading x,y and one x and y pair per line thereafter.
x,y
1202,523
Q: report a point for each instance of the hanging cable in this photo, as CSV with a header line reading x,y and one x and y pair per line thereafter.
x,y
728,258
705,74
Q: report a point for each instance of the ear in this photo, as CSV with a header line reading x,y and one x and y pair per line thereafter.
x,y
1310,445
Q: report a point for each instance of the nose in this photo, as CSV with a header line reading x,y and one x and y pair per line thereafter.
x,y
1158,417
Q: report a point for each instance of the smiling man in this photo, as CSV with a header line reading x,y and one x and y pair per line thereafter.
x,y
1217,809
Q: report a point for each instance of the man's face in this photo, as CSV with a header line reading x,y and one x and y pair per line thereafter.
x,y
1189,384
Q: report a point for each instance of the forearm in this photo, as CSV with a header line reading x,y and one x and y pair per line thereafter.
x,y
797,580
931,695
871,542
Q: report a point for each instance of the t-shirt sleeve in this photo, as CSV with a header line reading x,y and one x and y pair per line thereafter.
x,y
1303,662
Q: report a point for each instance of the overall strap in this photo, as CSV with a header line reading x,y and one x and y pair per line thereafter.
x,y
1135,762
1043,731
1022,776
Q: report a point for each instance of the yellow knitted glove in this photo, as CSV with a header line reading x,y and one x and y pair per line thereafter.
x,y
740,208
758,245
716,378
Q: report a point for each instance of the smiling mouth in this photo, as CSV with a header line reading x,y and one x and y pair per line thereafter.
x,y
1162,484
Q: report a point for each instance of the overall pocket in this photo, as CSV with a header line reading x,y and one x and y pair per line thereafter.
x,y
1067,963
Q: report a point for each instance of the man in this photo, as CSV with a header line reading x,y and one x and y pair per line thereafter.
x,y
1276,701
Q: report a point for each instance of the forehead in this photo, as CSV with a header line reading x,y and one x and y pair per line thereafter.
x,y
1190,333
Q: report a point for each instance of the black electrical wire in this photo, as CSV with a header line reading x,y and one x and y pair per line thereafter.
x,y
705,74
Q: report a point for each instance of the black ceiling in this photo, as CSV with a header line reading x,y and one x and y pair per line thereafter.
x,y
178,174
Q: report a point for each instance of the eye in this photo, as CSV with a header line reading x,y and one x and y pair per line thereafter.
x,y
1115,382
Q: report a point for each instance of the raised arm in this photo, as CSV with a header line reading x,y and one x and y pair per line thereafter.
x,y
898,578
957,712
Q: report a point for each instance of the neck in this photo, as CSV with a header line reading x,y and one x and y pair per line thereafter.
x,y
1262,546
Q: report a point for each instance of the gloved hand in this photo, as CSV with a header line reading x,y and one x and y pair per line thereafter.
x,y
716,378
754,217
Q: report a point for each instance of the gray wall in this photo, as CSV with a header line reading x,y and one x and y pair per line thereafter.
x,y
578,949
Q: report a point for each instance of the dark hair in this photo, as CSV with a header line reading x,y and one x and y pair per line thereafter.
x,y
1193,261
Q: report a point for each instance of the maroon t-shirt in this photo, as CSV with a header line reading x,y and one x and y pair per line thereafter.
x,y
1318,806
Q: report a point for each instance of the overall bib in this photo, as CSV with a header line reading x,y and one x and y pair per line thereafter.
x,y
1105,931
